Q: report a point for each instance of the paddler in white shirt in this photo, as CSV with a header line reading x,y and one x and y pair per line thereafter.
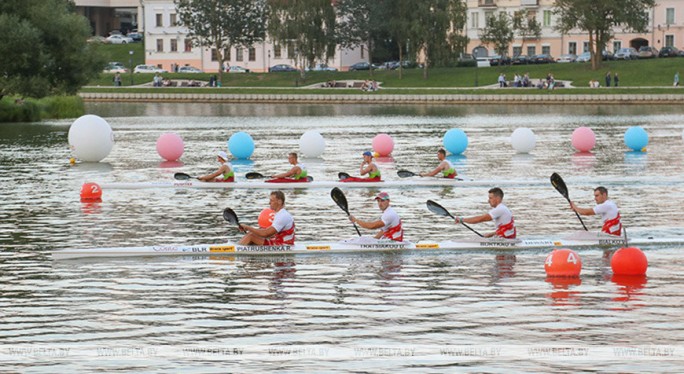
x,y
610,214
500,214
297,172
223,174
389,223
445,167
281,231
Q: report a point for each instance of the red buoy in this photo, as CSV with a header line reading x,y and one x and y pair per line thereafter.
x,y
91,192
629,261
266,218
563,263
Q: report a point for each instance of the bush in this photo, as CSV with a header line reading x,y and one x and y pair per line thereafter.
x,y
14,109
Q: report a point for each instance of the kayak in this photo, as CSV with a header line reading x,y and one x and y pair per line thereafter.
x,y
362,244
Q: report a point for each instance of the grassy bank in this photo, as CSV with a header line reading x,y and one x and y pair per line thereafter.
x,y
14,109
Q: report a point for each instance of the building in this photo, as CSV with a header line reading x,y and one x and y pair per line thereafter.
x,y
108,15
666,28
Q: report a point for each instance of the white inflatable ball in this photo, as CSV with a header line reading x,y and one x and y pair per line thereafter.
x,y
91,138
523,140
311,144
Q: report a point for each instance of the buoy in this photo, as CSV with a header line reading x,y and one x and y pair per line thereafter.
x,y
72,161
583,139
266,218
383,145
311,144
523,140
241,145
91,192
629,261
455,141
91,138
636,138
563,263
170,146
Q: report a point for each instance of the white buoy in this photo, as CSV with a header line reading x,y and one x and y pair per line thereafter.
x,y
523,140
311,144
91,138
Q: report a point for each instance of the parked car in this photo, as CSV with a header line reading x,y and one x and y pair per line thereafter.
x,y
361,66
148,69
281,68
569,57
542,59
115,67
607,55
321,67
189,69
584,57
237,69
626,54
136,36
119,39
648,52
499,60
97,39
669,52
520,60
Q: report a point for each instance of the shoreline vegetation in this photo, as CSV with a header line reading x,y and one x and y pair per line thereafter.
x,y
17,109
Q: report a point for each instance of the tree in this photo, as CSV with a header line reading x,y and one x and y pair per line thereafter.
x,y
307,27
398,21
43,49
499,32
441,17
527,27
359,23
600,18
223,24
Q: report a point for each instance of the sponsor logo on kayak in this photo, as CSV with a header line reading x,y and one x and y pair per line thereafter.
x,y
183,184
540,242
222,248
427,246
318,247
169,249
498,244
611,241
263,248
382,246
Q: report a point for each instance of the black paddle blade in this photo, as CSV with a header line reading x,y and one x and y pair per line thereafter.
x,y
343,175
339,199
230,216
405,174
309,178
182,176
438,209
254,175
558,183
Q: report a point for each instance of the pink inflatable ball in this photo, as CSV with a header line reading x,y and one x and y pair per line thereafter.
x,y
583,139
383,145
170,146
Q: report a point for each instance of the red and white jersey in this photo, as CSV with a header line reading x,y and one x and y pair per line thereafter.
x,y
284,225
503,219
392,229
610,215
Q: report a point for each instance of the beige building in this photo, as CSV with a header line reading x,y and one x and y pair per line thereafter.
x,y
108,15
666,28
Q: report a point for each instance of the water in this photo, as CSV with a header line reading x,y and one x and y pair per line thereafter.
x,y
472,311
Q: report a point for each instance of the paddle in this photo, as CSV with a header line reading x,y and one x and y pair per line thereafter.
x,y
341,201
183,176
255,175
438,209
230,216
558,183
406,174
342,175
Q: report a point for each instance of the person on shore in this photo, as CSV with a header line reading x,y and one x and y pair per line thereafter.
x,y
117,79
445,167
608,79
281,231
610,215
676,80
389,223
616,79
223,174
500,214
296,173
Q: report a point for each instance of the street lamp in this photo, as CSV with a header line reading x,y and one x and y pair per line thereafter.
x,y
130,63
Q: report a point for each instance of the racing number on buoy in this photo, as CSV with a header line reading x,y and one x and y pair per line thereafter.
x,y
571,258
549,260
94,188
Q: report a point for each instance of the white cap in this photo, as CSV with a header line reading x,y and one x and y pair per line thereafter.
x,y
223,155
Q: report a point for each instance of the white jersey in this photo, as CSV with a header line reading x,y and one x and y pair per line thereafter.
x,y
608,210
282,220
501,215
390,218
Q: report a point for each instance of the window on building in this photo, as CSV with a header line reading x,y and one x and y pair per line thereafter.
x,y
546,50
585,47
517,51
174,45
547,18
239,54
214,55
290,51
572,48
669,40
160,45
252,54
531,50
617,45
173,21
488,17
276,51
475,20
669,16
226,54
158,18
188,45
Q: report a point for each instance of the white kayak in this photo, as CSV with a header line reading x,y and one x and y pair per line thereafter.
x,y
360,244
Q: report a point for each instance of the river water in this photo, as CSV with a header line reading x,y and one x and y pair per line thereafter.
x,y
468,311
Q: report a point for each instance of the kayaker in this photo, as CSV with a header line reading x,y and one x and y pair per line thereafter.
x,y
445,167
500,214
297,172
281,231
223,174
367,167
389,223
610,214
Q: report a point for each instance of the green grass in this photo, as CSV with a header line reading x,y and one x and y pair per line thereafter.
x,y
120,53
15,109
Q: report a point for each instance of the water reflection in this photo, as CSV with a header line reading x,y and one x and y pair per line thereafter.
x,y
636,161
583,161
170,164
562,293
504,264
629,288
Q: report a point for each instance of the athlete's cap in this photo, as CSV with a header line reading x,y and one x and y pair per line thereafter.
x,y
382,196
367,153
223,155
